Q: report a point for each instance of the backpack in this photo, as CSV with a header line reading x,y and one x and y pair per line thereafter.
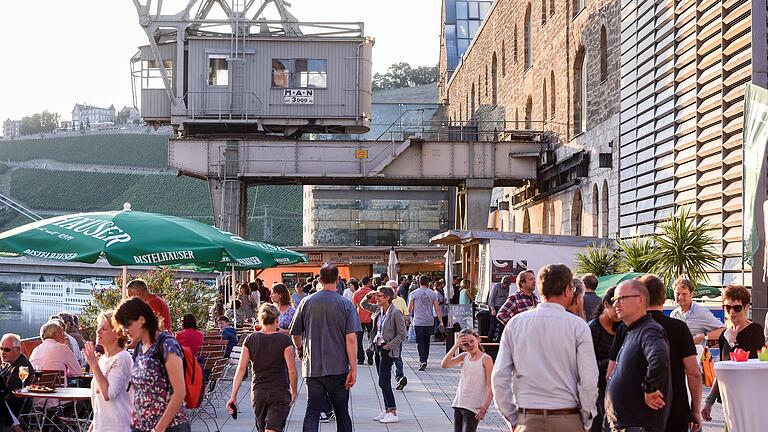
x,y
193,372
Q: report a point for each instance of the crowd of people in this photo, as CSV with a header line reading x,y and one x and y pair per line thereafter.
x,y
567,360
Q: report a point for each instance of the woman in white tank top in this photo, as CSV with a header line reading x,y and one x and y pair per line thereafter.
x,y
474,395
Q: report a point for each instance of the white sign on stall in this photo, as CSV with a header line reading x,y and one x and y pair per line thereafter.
x,y
299,96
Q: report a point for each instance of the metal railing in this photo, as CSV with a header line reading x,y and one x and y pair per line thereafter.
x,y
199,105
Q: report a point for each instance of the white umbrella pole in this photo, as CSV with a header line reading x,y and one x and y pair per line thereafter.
x,y
125,281
232,297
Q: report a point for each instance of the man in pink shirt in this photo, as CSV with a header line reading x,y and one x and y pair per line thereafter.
x,y
138,288
54,354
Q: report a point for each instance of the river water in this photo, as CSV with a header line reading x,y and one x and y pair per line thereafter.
x,y
26,317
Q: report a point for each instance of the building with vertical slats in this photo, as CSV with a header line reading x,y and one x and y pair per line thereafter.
x,y
684,66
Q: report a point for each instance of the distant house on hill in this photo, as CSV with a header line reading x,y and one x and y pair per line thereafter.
x,y
84,115
128,115
11,129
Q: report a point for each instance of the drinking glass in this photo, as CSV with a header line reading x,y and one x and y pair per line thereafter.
x,y
23,373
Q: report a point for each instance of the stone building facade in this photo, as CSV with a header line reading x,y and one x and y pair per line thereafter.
x,y
554,67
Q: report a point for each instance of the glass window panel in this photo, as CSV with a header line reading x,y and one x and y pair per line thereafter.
x,y
484,8
218,70
474,10
461,10
463,46
462,29
474,26
150,74
281,72
450,11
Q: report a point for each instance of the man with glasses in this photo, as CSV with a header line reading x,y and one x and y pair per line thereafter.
x,y
545,377
12,359
639,390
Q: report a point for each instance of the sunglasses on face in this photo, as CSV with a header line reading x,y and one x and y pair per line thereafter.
x,y
735,308
6,349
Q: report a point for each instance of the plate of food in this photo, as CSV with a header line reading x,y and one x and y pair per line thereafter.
x,y
34,388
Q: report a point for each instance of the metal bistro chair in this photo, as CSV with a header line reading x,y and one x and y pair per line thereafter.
x,y
39,415
207,410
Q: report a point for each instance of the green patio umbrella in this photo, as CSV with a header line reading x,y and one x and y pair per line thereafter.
x,y
137,238
606,281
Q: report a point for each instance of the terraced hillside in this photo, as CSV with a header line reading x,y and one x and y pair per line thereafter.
x,y
76,185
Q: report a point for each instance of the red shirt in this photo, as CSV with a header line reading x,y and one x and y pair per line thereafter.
x,y
191,339
357,297
161,310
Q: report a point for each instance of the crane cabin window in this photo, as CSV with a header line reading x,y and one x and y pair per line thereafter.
x,y
150,74
218,70
299,73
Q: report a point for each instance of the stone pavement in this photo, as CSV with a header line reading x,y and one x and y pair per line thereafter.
x,y
424,405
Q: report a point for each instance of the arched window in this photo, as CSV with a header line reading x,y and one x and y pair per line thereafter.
x,y
514,45
552,94
526,222
543,12
544,101
466,107
503,60
578,6
580,93
472,106
603,54
527,42
544,218
552,219
595,211
517,118
604,213
551,7
486,80
529,113
494,80
576,209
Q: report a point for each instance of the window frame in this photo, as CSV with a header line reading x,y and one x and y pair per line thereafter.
x,y
301,79
214,77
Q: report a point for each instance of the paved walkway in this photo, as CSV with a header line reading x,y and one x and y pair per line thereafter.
x,y
424,405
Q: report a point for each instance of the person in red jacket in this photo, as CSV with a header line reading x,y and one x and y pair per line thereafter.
x,y
138,288
190,337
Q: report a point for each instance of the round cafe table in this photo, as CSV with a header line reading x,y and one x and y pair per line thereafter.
x,y
62,394
742,389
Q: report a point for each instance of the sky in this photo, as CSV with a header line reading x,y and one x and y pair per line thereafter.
x,y
58,53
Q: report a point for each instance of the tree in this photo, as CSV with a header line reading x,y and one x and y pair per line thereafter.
x,y
39,123
636,255
597,259
49,121
401,75
683,249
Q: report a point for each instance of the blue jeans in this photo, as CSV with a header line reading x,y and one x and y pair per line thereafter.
x,y
331,386
384,367
423,333
399,368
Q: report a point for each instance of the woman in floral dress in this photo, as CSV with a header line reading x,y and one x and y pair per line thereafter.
x,y
281,297
157,377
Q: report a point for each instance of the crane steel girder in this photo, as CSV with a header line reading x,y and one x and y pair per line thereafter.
x,y
413,162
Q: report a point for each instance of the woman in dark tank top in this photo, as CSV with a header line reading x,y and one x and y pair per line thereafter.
x,y
274,383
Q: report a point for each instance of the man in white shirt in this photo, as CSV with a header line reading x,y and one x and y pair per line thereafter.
x,y
699,319
545,376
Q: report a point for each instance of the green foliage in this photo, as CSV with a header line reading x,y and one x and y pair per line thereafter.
x,y
10,287
143,150
636,255
598,259
683,249
182,297
68,190
39,123
400,75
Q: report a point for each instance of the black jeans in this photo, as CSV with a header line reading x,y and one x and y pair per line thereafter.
x,y
384,367
493,326
464,420
423,333
360,349
331,386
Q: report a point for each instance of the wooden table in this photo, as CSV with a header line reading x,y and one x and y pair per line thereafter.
x,y
63,394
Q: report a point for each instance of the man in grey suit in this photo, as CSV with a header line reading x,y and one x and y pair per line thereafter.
x,y
387,337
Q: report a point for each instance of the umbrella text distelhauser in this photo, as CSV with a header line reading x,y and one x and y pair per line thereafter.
x,y
160,257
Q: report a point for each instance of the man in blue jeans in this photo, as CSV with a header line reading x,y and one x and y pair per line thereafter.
x,y
422,302
324,332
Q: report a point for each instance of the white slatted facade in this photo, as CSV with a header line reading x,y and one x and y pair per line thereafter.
x,y
684,65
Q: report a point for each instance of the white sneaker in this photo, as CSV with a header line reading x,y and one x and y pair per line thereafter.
x,y
380,416
389,418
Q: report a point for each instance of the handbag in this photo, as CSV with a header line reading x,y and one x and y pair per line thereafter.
x,y
708,367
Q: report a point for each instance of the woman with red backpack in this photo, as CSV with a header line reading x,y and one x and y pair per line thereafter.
x,y
157,377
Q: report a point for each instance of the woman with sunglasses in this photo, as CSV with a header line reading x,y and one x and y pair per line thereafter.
x,y
157,377
740,333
